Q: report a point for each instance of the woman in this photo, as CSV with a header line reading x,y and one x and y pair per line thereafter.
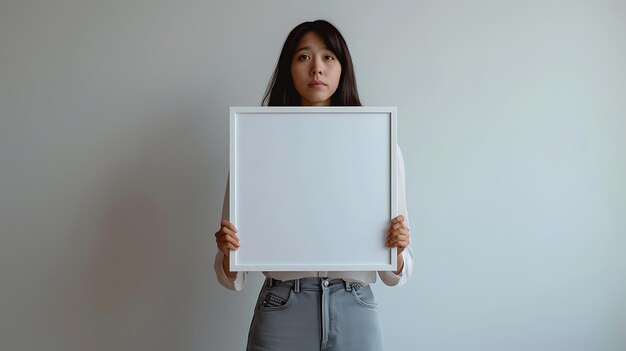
x,y
316,310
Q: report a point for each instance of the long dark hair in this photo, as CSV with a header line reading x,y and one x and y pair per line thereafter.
x,y
280,90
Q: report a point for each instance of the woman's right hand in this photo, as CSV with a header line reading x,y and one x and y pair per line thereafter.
x,y
226,238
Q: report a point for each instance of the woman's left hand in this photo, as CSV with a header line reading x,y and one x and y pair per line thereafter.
x,y
398,234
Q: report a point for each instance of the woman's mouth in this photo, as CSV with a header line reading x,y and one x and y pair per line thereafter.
x,y
317,84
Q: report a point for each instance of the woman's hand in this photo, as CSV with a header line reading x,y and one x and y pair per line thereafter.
x,y
398,234
226,238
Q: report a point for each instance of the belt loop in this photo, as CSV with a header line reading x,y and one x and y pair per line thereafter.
x,y
348,286
270,282
296,285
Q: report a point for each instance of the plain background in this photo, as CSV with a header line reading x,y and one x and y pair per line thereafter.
x,y
113,164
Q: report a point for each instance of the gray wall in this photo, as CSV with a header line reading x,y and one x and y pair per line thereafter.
x,y
113,162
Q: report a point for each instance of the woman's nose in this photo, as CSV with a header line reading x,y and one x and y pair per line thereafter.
x,y
316,69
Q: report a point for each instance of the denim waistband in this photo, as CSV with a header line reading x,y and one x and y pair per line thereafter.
x,y
313,284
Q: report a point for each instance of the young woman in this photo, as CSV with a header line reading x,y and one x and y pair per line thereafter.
x,y
316,310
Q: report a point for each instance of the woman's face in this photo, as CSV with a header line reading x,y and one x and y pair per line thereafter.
x,y
315,71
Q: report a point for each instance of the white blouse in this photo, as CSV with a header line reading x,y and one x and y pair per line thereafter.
x,y
388,277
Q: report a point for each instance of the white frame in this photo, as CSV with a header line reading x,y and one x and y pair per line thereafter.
x,y
385,262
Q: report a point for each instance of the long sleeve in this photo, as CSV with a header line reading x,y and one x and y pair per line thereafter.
x,y
388,277
229,283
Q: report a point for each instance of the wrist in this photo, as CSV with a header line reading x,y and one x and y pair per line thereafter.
x,y
226,267
400,264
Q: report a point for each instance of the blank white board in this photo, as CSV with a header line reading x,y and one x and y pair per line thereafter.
x,y
312,188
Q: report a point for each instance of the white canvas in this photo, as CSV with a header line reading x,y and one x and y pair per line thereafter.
x,y
312,188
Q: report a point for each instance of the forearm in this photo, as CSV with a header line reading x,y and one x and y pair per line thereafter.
x,y
400,264
226,268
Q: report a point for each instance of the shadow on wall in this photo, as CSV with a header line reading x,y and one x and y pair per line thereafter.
x,y
131,247
149,203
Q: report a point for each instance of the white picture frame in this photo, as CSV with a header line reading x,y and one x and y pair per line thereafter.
x,y
313,188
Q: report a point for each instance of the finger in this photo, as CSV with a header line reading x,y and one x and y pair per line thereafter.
x,y
398,235
398,231
231,234
394,243
226,248
398,225
227,224
231,247
229,239
398,238
227,231
398,243
399,218
394,227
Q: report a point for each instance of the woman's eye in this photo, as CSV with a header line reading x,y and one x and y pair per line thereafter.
x,y
304,57
328,58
